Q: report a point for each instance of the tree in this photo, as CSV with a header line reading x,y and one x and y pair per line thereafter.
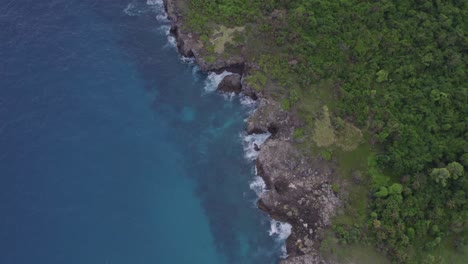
x,y
455,169
383,192
382,75
464,159
440,175
395,188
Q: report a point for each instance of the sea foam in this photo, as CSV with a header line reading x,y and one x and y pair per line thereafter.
x,y
213,80
247,101
280,231
135,8
158,8
258,185
188,60
171,40
249,142
132,10
229,96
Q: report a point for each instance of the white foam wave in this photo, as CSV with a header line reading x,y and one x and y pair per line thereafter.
x,y
258,185
284,251
162,17
247,101
213,80
136,8
249,142
280,231
155,2
188,60
157,6
229,96
195,71
165,29
132,10
171,40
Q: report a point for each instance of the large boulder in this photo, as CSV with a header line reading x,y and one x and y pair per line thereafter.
x,y
231,83
269,117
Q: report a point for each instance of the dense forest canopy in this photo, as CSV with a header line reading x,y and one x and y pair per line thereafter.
x,y
398,70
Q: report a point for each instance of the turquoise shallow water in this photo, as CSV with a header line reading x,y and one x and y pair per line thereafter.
x,y
112,149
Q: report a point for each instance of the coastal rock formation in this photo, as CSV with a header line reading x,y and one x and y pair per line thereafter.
x,y
270,117
231,83
190,46
299,191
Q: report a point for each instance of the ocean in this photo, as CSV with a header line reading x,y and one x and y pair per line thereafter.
x,y
116,150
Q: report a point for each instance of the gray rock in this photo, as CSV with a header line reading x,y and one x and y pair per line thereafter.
x,y
269,117
230,83
289,177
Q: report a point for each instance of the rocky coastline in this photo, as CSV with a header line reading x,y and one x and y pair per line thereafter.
x,y
299,189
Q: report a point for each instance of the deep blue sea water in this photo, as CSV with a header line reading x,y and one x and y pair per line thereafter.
x,y
111,149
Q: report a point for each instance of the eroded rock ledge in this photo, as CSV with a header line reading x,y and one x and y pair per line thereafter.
x,y
299,189
190,46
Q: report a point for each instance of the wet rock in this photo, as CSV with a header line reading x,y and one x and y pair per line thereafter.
x,y
230,83
256,147
269,117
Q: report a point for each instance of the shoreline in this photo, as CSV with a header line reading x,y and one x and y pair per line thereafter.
x,y
298,188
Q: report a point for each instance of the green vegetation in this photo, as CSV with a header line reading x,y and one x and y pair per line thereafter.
x,y
326,155
223,36
324,134
384,80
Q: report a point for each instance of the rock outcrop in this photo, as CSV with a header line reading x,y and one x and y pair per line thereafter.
x,y
270,117
190,46
231,83
299,193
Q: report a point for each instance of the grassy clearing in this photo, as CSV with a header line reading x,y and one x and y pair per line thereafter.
x,y
349,137
222,36
324,134
350,254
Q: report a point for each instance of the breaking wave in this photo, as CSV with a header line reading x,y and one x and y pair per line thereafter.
x,y
258,185
251,142
280,231
213,80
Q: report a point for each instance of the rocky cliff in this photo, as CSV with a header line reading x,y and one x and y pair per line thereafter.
x,y
299,189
